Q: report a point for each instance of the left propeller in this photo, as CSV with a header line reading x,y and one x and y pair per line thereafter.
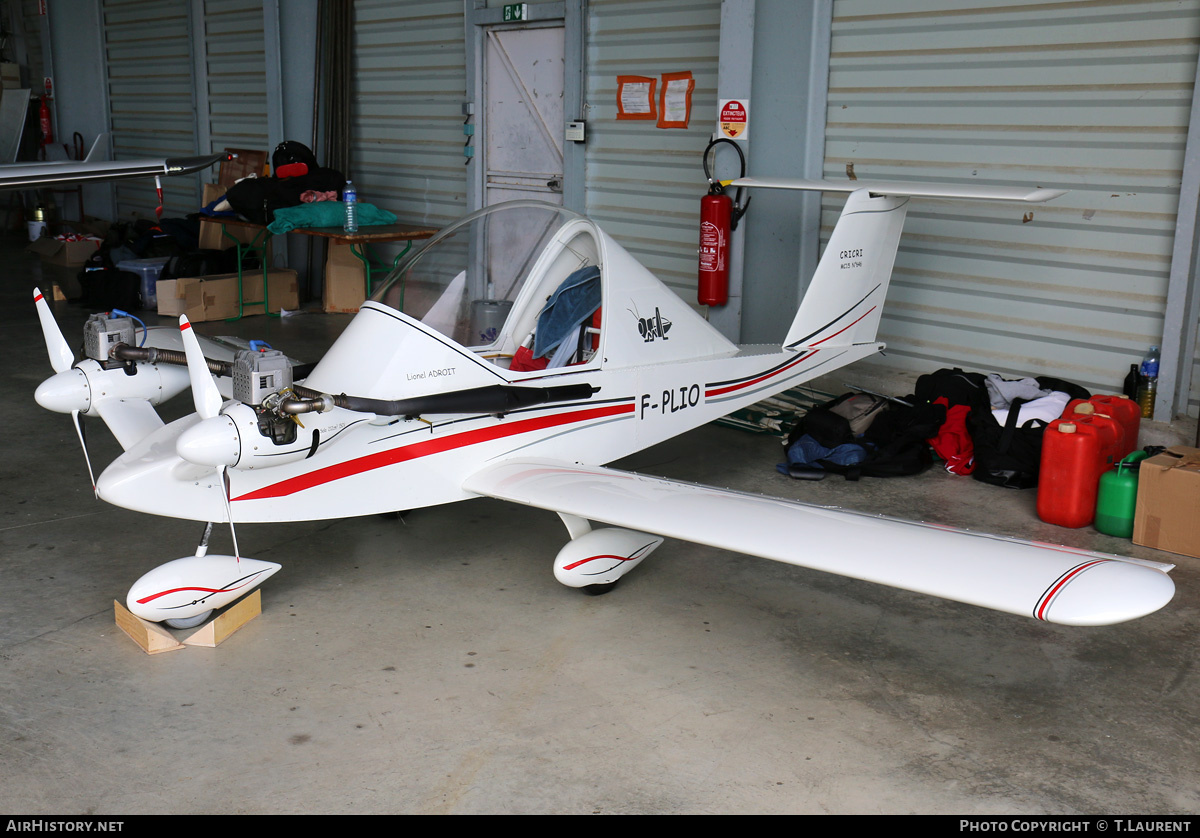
x,y
67,391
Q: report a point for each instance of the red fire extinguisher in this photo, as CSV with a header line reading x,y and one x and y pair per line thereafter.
x,y
44,121
719,216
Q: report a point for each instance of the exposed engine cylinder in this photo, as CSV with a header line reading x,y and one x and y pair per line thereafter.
x,y
258,374
101,333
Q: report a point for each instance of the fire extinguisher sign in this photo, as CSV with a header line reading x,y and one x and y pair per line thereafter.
x,y
733,118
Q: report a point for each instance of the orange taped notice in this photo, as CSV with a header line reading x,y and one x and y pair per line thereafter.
x,y
675,100
635,97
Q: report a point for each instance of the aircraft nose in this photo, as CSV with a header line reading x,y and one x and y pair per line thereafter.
x,y
64,392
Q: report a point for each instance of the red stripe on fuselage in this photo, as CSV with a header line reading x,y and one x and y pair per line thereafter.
x,y
839,331
402,454
710,393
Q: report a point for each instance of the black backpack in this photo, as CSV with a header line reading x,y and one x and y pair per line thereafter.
x,y
894,439
895,442
1008,455
956,387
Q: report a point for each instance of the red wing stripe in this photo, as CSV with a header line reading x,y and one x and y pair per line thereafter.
x,y
1048,597
423,449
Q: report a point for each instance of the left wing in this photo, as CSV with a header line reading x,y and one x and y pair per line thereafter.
x,y
1044,581
31,175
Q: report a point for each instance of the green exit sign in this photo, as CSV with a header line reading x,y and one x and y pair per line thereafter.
x,y
516,11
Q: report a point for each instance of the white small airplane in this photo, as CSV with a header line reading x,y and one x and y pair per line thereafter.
x,y
512,357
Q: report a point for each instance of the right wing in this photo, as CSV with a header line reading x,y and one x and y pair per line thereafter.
x,y
1044,581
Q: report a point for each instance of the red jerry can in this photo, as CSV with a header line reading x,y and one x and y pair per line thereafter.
x,y
1070,473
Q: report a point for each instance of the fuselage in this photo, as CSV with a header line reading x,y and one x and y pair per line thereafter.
x,y
362,464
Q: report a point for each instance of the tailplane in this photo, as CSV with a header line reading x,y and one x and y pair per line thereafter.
x,y
845,298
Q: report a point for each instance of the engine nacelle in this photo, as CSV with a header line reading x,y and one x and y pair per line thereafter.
x,y
194,585
246,438
88,382
602,556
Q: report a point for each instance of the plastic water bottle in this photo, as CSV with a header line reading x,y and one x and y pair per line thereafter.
x,y
1148,382
350,197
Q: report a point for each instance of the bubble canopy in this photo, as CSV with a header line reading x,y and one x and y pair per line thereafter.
x,y
466,280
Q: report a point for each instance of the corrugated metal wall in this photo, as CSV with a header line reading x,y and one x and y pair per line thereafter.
x,y
1091,96
149,62
32,29
409,86
236,75
644,183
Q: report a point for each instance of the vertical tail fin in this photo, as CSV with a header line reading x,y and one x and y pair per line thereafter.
x,y
845,296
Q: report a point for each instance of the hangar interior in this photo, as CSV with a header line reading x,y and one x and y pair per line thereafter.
x,y
428,661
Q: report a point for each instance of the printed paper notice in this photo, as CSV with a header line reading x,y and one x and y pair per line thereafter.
x,y
675,107
635,97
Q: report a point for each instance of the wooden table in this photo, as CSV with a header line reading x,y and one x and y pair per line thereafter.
x,y
374,234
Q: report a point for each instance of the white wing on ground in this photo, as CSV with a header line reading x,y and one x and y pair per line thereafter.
x,y
1044,581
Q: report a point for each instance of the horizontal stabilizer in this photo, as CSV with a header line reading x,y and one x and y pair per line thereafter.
x,y
902,189
1044,581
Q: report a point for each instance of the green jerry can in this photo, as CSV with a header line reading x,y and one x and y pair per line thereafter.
x,y
1116,498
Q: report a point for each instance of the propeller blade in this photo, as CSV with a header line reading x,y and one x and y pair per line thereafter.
x,y
204,389
224,474
83,443
61,356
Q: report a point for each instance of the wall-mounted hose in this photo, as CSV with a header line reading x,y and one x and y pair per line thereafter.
x,y
716,187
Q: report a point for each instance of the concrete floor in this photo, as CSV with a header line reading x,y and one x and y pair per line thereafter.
x,y
432,664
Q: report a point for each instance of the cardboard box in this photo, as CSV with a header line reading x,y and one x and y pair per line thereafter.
x,y
89,226
215,297
345,280
10,75
71,254
1167,501
211,237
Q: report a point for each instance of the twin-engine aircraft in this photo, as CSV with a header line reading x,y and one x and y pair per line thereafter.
x,y
512,357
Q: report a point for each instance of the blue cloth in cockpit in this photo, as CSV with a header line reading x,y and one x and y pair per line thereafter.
x,y
575,300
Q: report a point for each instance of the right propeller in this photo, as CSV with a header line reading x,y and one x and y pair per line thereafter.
x,y
214,441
